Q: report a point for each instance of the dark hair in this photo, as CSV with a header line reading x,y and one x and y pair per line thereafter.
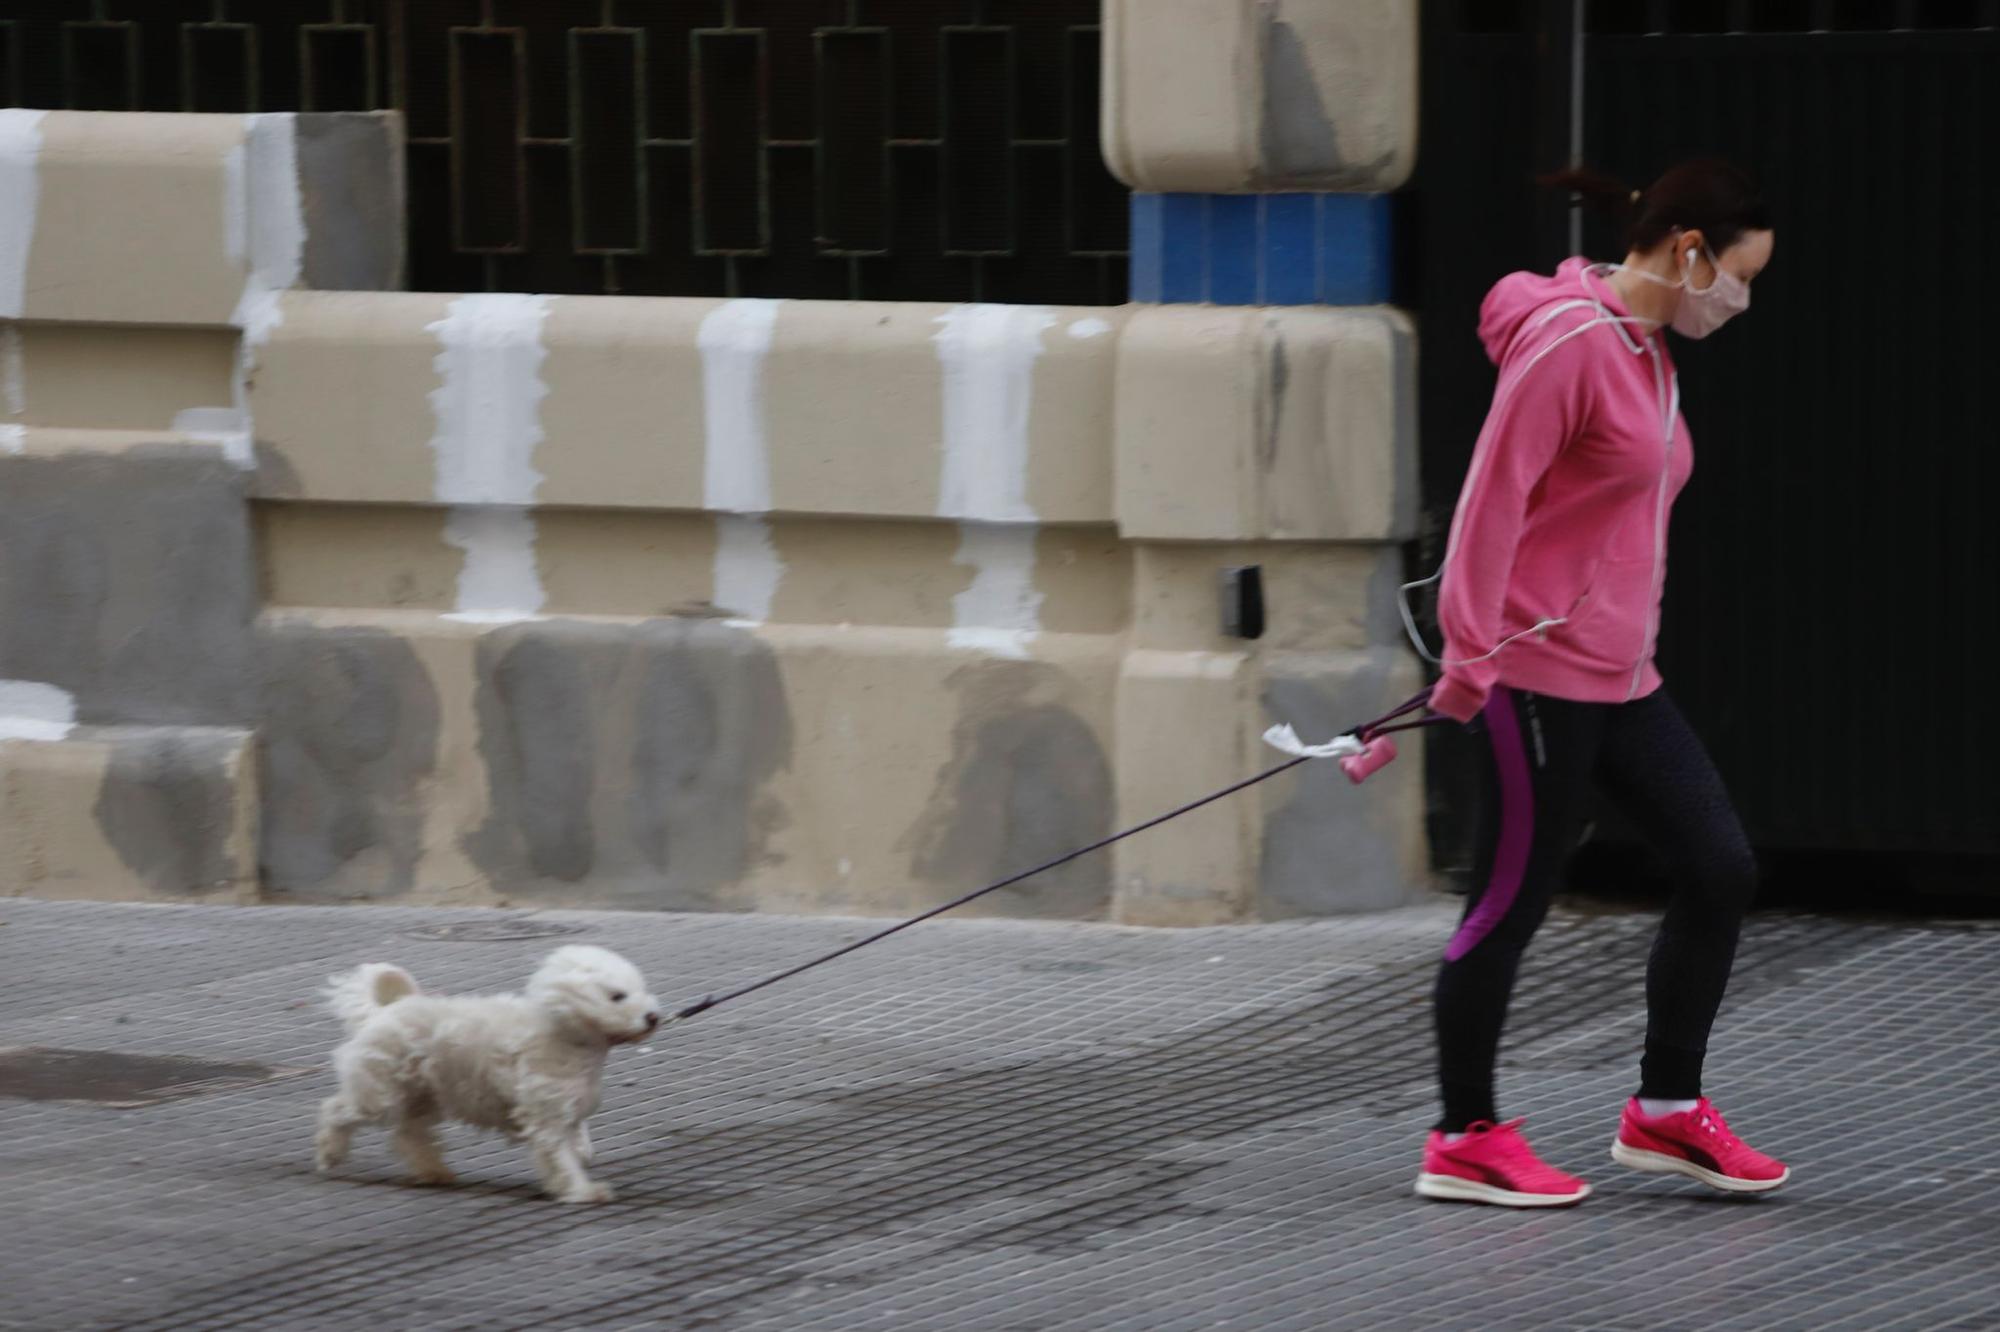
x,y
1708,194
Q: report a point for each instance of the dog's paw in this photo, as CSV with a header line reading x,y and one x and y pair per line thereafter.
x,y
592,1192
433,1178
328,1155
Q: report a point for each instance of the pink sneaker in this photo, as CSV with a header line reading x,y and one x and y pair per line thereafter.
x,y
1493,1164
1695,1143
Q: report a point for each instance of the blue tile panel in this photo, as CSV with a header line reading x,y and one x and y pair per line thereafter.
x,y
1262,249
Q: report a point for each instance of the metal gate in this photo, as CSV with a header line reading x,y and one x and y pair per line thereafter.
x,y
939,150
1831,616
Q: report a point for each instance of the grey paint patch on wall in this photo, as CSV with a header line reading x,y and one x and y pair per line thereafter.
x,y
168,804
1385,581
1281,381
349,735
1333,847
1027,781
127,580
274,477
1297,131
628,760
1299,141
351,192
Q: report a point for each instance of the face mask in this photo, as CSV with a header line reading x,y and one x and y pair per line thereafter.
x,y
1704,310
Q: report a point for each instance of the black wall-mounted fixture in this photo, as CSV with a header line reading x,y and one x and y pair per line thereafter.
x,y
1243,601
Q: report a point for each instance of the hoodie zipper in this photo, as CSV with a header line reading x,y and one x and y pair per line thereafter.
x,y
1670,404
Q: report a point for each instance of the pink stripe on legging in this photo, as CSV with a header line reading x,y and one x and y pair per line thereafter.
x,y
1517,827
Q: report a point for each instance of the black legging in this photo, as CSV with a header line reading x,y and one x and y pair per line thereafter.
x,y
1546,755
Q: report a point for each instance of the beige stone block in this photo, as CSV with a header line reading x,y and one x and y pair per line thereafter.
x,y
640,562
914,410
112,377
622,421
134,219
1294,424
601,761
1317,597
1228,96
1184,731
341,397
998,413
372,774
188,220
130,814
919,772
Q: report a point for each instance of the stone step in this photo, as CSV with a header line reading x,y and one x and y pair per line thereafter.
x,y
127,813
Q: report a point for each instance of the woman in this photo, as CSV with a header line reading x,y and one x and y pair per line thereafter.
x,y
1550,601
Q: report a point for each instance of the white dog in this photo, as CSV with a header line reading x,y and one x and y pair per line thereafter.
x,y
528,1065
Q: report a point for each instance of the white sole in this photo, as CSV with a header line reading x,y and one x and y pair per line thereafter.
x,y
1450,1188
1658,1163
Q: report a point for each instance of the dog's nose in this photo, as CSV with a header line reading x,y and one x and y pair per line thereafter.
x,y
652,1021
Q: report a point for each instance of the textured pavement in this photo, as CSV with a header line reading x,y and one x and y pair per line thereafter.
x,y
1003,1127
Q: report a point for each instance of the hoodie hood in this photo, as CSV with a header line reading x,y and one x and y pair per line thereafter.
x,y
1517,298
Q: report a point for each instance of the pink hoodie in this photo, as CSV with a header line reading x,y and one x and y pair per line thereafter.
x,y
1558,554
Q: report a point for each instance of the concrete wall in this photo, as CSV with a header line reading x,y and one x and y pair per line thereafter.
x,y
314,594
1234,96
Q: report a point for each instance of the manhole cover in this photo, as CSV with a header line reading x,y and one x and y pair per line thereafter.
x,y
106,1077
494,931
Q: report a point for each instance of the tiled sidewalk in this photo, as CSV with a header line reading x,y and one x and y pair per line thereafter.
x,y
1003,1127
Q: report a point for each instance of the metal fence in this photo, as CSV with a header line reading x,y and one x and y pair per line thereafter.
x,y
879,149
1829,622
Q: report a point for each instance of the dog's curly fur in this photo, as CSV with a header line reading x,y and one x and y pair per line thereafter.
x,y
528,1065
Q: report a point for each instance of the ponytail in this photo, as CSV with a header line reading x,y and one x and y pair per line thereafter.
x,y
1708,195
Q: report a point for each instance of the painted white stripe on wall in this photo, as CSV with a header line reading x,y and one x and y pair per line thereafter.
x,y
747,568
488,410
31,710
988,355
264,229
1000,613
20,197
274,226
499,582
735,339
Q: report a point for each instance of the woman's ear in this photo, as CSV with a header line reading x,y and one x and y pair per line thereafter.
x,y
1691,258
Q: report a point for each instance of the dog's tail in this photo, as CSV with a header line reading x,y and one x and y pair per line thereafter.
x,y
357,995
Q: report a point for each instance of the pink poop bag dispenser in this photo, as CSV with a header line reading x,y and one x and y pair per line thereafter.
x,y
1375,755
